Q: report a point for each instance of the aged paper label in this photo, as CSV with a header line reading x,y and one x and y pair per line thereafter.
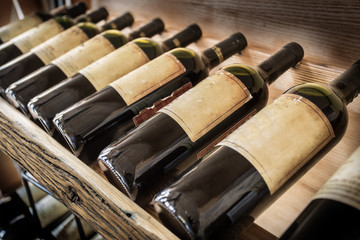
x,y
115,65
14,29
33,37
200,109
281,138
83,55
149,77
60,44
344,185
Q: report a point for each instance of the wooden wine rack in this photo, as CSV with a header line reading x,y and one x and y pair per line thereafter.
x,y
329,32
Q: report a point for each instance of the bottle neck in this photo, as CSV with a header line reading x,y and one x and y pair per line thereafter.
x,y
119,23
74,11
347,85
220,52
287,57
183,38
148,30
94,16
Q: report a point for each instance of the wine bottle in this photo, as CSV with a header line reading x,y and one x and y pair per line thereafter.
x,y
102,72
250,168
35,36
20,92
190,123
47,51
94,17
334,212
18,27
115,105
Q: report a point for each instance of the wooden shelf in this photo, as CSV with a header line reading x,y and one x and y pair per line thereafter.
x,y
327,30
78,186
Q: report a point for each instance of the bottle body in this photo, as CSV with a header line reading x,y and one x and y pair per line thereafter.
x,y
16,28
45,53
32,20
91,79
141,88
107,107
20,92
33,37
334,212
204,121
241,187
101,73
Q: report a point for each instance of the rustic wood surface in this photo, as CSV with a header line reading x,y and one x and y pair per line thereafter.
x,y
327,30
83,189
78,187
329,33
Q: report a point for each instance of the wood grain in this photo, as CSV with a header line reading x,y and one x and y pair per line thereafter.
x,y
82,188
87,194
327,29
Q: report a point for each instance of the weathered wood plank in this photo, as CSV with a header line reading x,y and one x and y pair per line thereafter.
x,y
327,29
83,191
83,188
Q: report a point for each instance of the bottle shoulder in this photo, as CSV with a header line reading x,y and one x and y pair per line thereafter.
x,y
251,77
65,21
116,38
90,29
150,47
327,100
183,53
191,60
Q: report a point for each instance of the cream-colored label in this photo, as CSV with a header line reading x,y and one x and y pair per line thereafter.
x,y
206,105
149,77
344,185
281,138
115,65
18,27
33,37
81,56
60,44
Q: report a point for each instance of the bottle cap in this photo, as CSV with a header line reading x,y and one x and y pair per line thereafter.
x,y
154,27
287,57
235,43
348,83
297,49
190,34
119,23
75,10
240,40
94,16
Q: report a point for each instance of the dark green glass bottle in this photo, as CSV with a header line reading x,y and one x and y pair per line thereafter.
x,y
172,135
334,211
101,73
20,92
46,52
108,113
255,164
37,35
18,27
